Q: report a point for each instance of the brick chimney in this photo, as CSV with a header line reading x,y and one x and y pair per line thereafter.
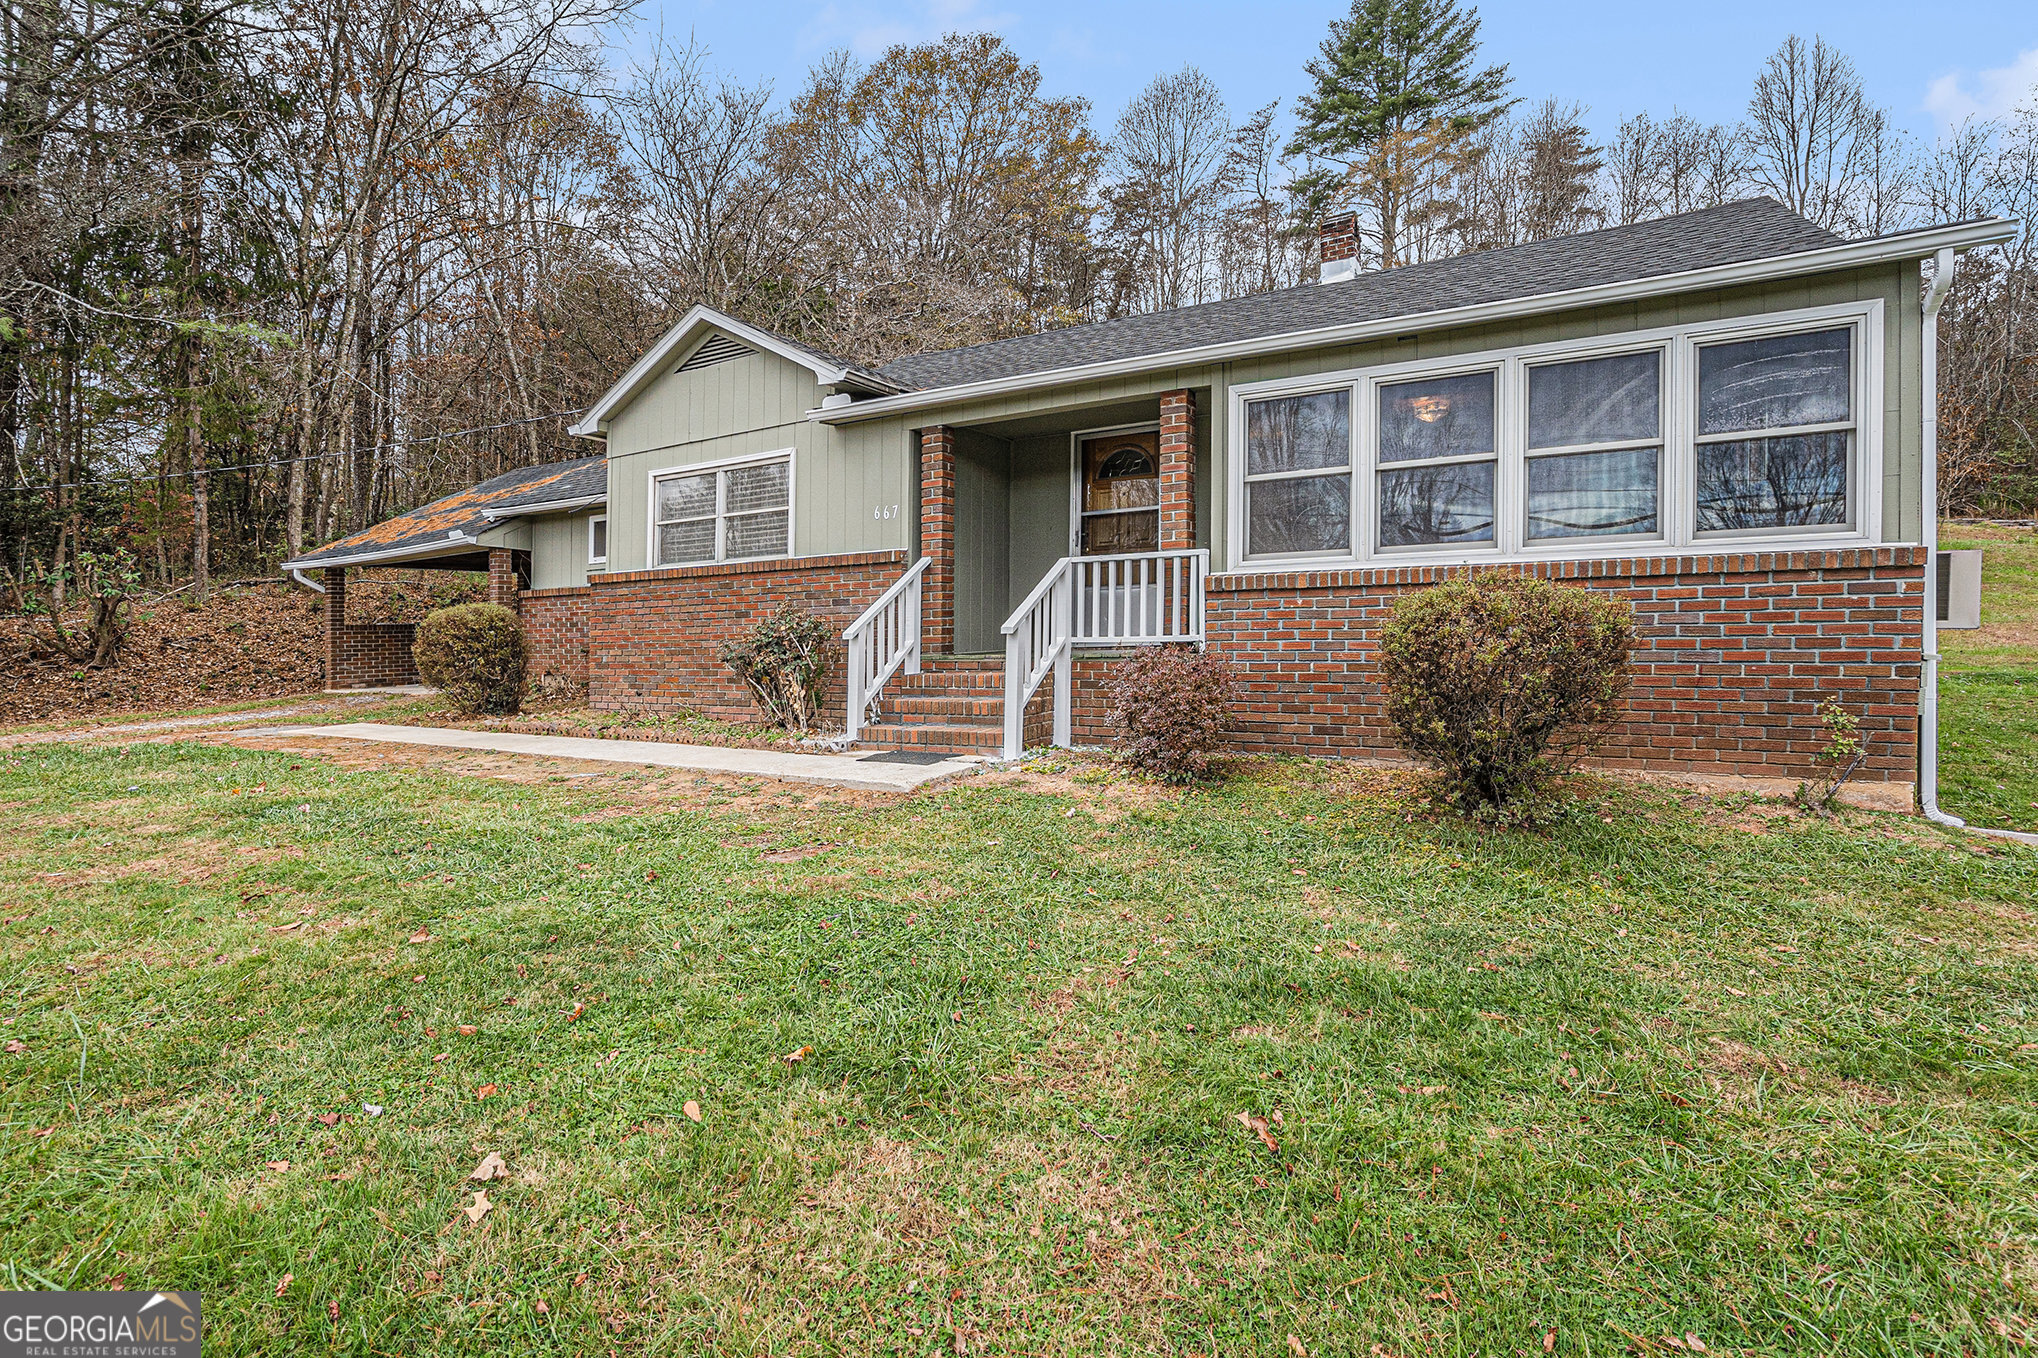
x,y
1337,245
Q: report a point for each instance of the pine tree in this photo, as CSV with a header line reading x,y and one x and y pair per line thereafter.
x,y
1396,102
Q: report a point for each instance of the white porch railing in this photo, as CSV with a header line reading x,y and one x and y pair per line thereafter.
x,y
885,637
1137,599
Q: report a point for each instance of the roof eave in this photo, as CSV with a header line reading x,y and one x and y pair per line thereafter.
x,y
450,544
497,515
1851,254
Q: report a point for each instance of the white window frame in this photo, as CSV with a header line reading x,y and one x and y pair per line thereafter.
x,y
1240,480
1677,409
592,559
719,466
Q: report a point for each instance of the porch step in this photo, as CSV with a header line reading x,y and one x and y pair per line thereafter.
x,y
943,705
935,737
954,705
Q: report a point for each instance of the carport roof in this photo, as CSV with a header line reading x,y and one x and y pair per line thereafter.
x,y
452,526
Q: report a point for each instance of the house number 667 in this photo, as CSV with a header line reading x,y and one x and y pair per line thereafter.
x,y
885,512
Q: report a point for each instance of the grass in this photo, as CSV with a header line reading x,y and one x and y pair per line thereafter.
x,y
1988,686
971,1065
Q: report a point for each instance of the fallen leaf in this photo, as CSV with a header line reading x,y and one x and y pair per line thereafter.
x,y
1258,1127
484,1091
793,1058
480,1207
329,1119
468,1030
1549,1340
491,1167
373,1110
574,1014
543,1309
691,1109
333,1310
280,1166
440,1057
1295,1347
284,1285
16,1046
421,936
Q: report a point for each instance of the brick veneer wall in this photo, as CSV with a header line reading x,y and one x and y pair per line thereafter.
x,y
502,577
555,633
1734,654
1178,470
364,654
937,539
655,637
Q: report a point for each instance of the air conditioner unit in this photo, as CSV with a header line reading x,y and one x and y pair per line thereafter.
x,y
1960,588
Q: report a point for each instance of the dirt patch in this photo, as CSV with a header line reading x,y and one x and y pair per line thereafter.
x,y
640,791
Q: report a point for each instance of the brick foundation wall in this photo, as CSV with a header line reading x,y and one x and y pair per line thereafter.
x,y
364,654
555,634
1734,654
654,638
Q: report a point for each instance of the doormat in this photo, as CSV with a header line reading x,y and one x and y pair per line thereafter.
x,y
904,757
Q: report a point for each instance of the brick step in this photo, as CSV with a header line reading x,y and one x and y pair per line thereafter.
x,y
935,737
922,705
946,681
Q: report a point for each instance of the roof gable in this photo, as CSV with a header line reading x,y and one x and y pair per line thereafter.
x,y
699,329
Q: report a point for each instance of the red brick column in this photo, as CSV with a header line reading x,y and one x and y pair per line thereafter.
x,y
1178,470
502,578
336,624
937,539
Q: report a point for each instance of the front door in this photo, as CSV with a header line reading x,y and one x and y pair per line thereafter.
x,y
1120,496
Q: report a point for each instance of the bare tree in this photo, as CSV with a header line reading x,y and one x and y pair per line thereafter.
x,y
1167,165
1261,245
1808,124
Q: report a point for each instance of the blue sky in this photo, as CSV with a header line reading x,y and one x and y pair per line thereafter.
x,y
1979,55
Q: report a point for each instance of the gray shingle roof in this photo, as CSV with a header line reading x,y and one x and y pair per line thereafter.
x,y
1756,228
467,513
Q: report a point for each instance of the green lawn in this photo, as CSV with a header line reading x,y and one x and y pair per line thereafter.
x,y
1680,1067
1988,687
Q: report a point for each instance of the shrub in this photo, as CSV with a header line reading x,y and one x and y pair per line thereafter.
x,y
785,663
1501,682
474,654
1844,753
1174,704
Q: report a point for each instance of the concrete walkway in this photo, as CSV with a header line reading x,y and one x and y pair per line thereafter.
x,y
868,771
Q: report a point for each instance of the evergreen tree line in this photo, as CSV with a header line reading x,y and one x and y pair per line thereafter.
x,y
271,272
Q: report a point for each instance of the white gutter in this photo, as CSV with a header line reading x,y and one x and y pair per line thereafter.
x,y
1852,254
297,574
544,507
1928,688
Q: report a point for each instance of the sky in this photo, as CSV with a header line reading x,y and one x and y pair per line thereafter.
x,y
1981,57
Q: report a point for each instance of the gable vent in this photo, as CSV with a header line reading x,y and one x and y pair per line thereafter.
x,y
718,349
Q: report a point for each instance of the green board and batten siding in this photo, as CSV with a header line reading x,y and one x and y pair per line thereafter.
x,y
856,484
559,549
851,493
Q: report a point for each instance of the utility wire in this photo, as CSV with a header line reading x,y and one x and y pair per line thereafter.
x,y
308,457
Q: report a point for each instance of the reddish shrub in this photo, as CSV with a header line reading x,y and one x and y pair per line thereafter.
x,y
1174,704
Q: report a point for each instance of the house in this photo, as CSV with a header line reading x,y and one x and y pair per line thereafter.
x,y
1725,417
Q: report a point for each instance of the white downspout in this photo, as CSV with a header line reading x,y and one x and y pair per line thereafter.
x,y
305,580
1928,688
1928,691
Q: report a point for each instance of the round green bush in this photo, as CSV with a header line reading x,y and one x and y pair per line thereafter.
x,y
1501,681
474,654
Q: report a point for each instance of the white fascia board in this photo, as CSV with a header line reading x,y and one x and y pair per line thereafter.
x,y
1854,254
543,507
452,542
656,357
